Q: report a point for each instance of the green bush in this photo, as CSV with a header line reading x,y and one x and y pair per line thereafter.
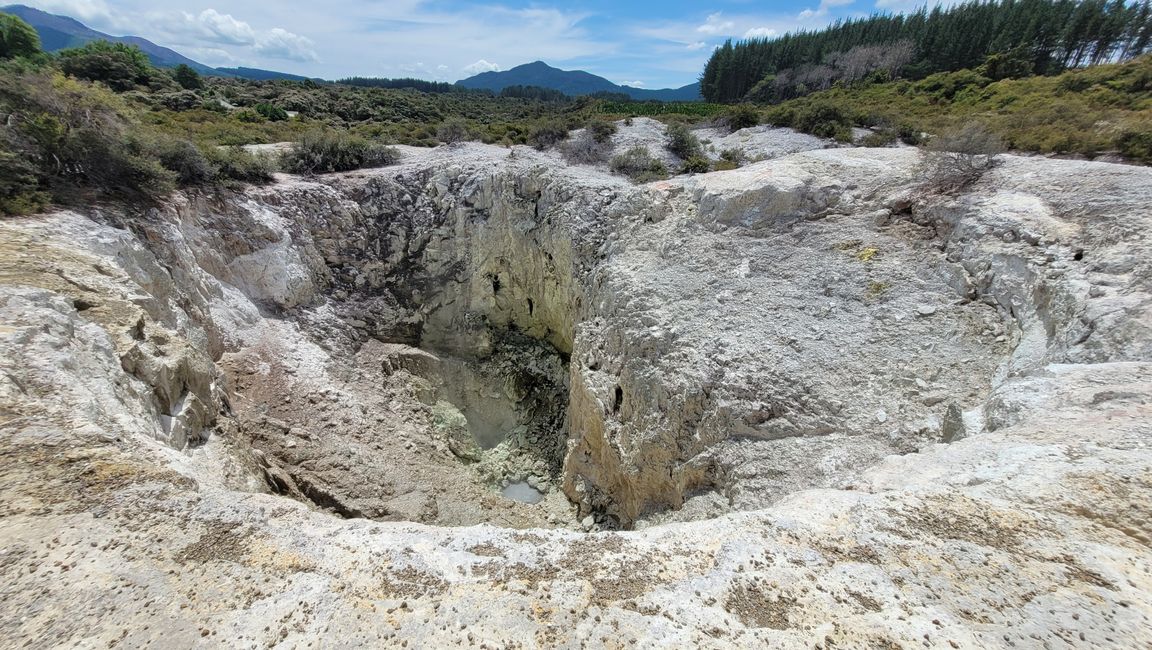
x,y
76,135
585,150
696,165
638,164
879,138
908,134
20,191
119,66
188,78
184,160
320,152
682,142
184,100
1136,146
249,116
271,113
548,134
17,38
236,164
742,116
601,130
453,131
781,115
823,121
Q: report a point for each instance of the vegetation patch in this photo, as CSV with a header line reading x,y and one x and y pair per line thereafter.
x,y
325,151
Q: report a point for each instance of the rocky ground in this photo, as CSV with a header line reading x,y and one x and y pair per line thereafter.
x,y
805,403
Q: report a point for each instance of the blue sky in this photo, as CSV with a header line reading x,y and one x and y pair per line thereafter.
x,y
650,43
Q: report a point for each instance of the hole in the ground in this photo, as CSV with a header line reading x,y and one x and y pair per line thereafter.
x,y
1078,255
617,400
523,492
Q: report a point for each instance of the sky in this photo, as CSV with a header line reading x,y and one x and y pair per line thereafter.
x,y
642,43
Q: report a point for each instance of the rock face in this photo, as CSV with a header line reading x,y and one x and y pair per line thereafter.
x,y
805,403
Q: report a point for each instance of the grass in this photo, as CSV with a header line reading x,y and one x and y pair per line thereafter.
x,y
1090,112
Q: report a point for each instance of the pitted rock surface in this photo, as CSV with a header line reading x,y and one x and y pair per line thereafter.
x,y
804,403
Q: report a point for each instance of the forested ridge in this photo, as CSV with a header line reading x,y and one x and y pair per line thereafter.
x,y
1014,37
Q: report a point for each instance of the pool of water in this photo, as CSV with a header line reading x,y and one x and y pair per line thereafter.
x,y
522,492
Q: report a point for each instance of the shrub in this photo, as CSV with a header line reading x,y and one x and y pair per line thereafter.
x,y
17,38
734,156
187,77
908,134
823,121
1135,145
638,164
585,150
742,116
1014,64
601,130
320,152
959,157
73,134
271,113
453,131
20,191
184,160
119,66
548,134
880,138
249,116
184,100
236,164
696,165
682,142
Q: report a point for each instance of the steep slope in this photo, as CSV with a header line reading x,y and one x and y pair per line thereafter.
x,y
917,420
61,32
571,82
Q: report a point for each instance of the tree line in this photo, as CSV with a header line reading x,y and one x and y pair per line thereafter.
x,y
1021,37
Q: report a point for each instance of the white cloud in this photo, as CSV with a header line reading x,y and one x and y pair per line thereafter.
x,y
94,13
280,43
211,56
825,8
716,25
384,37
480,66
760,32
634,84
216,27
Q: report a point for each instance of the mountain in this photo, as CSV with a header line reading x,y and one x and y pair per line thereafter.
x,y
257,74
571,82
62,32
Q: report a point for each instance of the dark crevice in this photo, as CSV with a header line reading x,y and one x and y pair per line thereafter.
x,y
618,400
323,499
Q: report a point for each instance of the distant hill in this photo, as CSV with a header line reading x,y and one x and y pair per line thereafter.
x,y
257,74
571,82
61,32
